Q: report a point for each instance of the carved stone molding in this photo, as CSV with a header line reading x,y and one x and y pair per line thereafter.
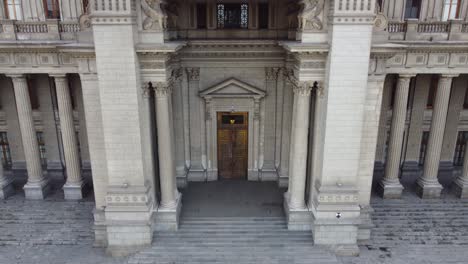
x,y
193,74
146,89
303,88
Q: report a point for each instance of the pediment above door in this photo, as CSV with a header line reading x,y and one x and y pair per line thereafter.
x,y
233,88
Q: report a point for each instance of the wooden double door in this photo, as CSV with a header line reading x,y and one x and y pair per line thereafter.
x,y
232,145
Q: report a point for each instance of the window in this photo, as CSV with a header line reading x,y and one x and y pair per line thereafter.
x,y
52,9
13,9
5,154
379,5
451,9
233,16
460,148
85,6
263,15
33,96
201,16
432,92
42,149
412,8
423,148
465,102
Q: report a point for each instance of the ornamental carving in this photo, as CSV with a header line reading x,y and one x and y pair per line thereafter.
x,y
308,14
303,88
380,22
156,18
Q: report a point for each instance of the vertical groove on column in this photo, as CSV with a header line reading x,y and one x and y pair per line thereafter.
x,y
67,127
28,132
397,131
436,134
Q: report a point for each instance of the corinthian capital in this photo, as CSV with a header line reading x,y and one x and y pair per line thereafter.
x,y
303,88
162,89
193,74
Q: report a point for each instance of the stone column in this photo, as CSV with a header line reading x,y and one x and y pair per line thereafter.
x,y
169,195
6,183
390,186
73,188
427,185
299,143
37,185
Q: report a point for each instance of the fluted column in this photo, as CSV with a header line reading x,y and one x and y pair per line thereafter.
x,y
300,139
390,186
6,183
428,185
37,185
169,195
73,188
460,185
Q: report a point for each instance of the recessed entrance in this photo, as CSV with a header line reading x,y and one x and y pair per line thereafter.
x,y
233,145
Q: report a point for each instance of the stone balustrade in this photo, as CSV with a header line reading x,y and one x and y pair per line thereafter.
x,y
413,29
38,30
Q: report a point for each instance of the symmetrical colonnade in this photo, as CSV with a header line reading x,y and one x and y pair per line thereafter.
x,y
428,185
37,185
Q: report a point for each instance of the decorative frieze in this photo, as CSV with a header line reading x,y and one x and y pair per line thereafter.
x,y
272,74
442,58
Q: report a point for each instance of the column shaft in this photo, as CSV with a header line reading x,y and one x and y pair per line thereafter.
x,y
165,147
390,185
73,185
36,187
428,186
300,139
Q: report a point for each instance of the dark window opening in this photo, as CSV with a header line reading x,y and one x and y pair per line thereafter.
x,y
33,95
432,91
460,148
412,8
42,149
263,15
52,9
5,154
465,103
201,16
233,16
423,148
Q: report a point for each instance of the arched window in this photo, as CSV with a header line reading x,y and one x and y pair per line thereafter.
x,y
13,9
51,9
451,9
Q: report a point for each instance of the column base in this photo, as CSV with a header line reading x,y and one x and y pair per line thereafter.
x,y
6,188
297,219
428,189
128,218
37,190
74,191
390,189
167,219
100,231
460,188
366,225
339,234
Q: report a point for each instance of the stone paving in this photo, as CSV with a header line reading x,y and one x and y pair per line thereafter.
x,y
410,230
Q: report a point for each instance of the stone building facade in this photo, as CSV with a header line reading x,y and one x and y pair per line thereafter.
x,y
136,98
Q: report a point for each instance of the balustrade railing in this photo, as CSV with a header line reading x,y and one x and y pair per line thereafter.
x,y
31,27
433,27
69,27
396,27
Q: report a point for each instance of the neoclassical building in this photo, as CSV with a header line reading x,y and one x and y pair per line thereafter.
x,y
138,98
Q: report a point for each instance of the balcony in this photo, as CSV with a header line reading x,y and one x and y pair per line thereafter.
x,y
38,30
414,30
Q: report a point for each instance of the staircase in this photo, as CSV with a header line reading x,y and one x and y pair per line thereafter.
x,y
236,240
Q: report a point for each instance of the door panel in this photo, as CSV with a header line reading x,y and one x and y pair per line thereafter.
x,y
232,145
